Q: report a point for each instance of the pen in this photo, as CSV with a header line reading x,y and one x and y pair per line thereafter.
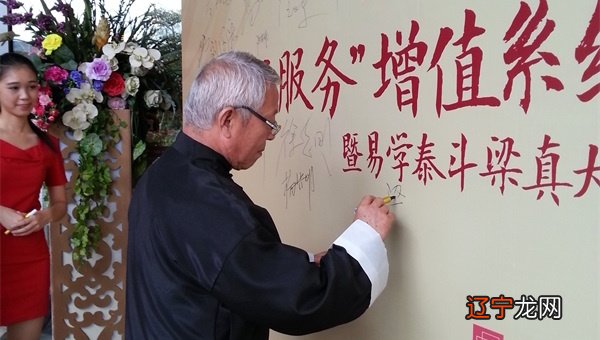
x,y
388,199
29,214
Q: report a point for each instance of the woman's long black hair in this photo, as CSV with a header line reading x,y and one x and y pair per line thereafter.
x,y
13,60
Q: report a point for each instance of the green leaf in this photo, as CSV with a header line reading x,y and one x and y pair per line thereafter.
x,y
63,55
91,144
87,174
70,65
139,149
75,242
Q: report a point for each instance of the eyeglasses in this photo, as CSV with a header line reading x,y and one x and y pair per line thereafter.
x,y
272,124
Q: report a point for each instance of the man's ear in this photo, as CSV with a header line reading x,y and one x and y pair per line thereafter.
x,y
225,121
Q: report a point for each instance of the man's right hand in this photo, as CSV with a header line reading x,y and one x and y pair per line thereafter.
x,y
373,211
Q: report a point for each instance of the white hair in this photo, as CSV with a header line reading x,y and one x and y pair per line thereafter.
x,y
230,79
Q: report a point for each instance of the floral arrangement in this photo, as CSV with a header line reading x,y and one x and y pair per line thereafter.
x,y
108,80
89,66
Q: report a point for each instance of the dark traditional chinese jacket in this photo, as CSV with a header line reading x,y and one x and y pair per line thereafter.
x,y
205,262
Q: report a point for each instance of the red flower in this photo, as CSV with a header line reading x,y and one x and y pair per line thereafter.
x,y
114,85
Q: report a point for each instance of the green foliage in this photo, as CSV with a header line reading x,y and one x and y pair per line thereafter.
x,y
93,185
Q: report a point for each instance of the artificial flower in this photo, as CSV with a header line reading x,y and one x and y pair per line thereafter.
x,y
152,98
102,34
51,43
90,66
114,85
132,85
76,78
56,75
84,94
141,57
139,71
44,97
112,49
78,119
117,103
98,69
45,111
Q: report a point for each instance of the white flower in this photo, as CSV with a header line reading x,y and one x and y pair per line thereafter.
x,y
81,68
132,85
129,47
141,57
110,52
153,98
139,71
85,94
114,63
112,49
79,118
77,134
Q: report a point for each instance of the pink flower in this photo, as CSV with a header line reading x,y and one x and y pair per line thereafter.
x,y
98,69
39,111
116,103
41,125
55,75
44,99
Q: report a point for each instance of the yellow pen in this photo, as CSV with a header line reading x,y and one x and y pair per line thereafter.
x,y
29,214
388,199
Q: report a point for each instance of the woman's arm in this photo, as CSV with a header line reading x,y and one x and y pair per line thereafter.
x,y
55,211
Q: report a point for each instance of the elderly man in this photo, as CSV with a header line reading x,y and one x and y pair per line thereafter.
x,y
205,262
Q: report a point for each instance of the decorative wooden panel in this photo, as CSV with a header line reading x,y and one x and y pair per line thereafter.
x,y
88,302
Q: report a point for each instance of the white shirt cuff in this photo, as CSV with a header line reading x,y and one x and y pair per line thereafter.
x,y
365,245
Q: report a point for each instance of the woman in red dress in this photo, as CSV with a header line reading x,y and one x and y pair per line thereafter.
x,y
29,158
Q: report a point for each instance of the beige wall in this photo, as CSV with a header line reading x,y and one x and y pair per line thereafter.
x,y
453,240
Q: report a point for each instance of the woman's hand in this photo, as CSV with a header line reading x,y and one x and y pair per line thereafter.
x,y
25,224
10,218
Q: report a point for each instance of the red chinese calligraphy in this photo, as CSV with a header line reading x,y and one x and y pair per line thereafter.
x,y
425,164
291,79
520,52
589,171
461,167
350,152
402,66
497,163
399,156
375,161
330,87
444,38
585,49
468,67
547,165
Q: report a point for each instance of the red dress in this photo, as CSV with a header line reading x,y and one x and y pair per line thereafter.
x,y
25,261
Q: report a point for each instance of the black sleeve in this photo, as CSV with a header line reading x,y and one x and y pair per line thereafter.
x,y
273,284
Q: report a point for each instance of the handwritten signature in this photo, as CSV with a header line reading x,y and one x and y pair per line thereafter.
x,y
396,190
300,182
